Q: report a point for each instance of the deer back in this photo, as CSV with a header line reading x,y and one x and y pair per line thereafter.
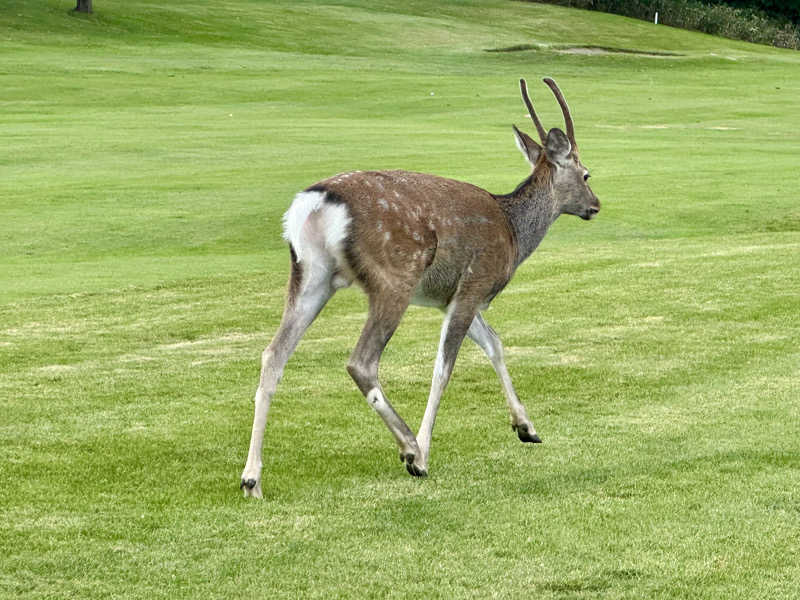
x,y
422,233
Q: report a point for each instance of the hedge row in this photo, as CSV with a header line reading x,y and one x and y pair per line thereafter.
x,y
777,9
741,23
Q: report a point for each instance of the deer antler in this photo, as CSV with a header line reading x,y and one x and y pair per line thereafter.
x,y
524,89
564,109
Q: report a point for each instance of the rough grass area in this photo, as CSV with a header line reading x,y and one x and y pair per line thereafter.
x,y
149,152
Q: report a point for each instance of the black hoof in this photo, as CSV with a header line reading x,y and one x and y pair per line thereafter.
x,y
525,435
249,483
415,471
411,467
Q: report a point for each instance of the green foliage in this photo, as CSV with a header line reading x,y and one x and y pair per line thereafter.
x,y
778,9
735,22
150,150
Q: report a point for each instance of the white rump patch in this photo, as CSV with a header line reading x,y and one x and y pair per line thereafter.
x,y
337,222
312,223
302,206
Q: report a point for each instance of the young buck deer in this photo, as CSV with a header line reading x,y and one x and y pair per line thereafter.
x,y
410,238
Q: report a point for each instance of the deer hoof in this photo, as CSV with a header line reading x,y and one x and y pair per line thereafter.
x,y
251,487
524,434
412,468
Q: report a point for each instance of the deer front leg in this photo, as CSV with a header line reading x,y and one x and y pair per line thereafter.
x,y
454,328
483,335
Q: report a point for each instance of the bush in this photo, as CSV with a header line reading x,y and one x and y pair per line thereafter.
x,y
787,37
781,10
746,24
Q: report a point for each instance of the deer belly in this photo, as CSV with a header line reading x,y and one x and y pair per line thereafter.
x,y
436,287
421,298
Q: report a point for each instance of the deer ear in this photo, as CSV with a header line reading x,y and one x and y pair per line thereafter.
x,y
557,147
530,149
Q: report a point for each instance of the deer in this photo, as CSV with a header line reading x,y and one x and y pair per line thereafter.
x,y
412,238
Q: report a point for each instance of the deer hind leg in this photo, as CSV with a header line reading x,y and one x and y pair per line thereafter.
x,y
311,284
483,335
457,320
384,317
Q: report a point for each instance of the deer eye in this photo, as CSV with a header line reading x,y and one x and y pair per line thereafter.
x,y
586,176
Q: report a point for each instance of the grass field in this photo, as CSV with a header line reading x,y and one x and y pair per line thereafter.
x,y
149,151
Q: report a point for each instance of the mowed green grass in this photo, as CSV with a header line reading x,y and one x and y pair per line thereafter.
x,y
149,152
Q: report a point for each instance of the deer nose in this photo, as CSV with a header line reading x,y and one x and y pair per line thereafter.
x,y
592,210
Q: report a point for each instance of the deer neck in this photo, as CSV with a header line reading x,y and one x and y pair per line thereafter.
x,y
530,210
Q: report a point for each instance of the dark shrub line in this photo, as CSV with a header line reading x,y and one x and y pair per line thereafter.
x,y
746,24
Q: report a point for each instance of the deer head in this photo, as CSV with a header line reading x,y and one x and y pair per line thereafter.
x,y
556,160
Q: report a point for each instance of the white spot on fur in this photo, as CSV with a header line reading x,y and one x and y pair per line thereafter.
x,y
376,400
387,236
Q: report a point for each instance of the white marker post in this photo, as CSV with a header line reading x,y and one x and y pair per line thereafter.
x,y
656,19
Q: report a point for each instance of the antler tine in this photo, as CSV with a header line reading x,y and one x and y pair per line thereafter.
x,y
564,109
524,89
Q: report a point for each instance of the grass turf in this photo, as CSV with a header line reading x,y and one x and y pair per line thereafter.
x,y
150,150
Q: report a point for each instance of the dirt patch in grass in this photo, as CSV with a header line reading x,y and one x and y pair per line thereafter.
x,y
587,50
604,50
517,48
